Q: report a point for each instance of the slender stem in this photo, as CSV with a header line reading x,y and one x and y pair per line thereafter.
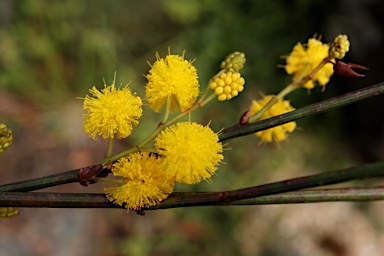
x,y
81,200
118,181
229,133
150,138
110,147
42,182
328,178
239,130
167,109
319,195
206,89
200,103
210,81
122,154
207,100
191,109
208,198
290,88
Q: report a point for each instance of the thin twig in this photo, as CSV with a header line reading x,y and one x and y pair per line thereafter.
x,y
227,197
42,182
239,130
80,200
204,198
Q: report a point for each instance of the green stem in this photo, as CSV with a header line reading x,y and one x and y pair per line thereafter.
x,y
328,178
110,147
122,154
229,133
167,110
212,198
199,104
196,106
239,130
82,200
290,88
42,182
117,181
150,138
319,195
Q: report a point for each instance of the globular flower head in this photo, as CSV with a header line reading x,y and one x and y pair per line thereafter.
x,y
227,85
144,183
191,151
174,78
339,47
6,137
278,133
305,58
111,111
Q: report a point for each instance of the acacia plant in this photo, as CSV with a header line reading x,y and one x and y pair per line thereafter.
x,y
142,177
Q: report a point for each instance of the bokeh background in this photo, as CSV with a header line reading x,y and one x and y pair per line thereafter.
x,y
52,52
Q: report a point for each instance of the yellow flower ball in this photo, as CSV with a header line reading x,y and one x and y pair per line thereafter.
x,y
144,182
227,85
305,58
339,47
111,111
174,78
191,151
278,133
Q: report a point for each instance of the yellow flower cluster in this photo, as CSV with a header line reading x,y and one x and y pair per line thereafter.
x,y
227,85
305,58
339,47
144,183
111,111
191,151
172,78
187,152
278,133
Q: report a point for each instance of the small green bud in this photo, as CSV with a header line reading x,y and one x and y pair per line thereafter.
x,y
233,62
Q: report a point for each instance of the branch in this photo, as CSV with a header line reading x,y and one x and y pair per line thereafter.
x,y
42,182
211,198
242,130
80,200
239,130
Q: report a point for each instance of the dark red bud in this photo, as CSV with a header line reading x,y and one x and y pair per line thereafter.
x,y
245,117
345,69
87,174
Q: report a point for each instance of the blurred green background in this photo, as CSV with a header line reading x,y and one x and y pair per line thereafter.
x,y
52,52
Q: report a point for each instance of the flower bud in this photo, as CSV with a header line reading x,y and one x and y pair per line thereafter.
x,y
339,47
6,137
233,62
